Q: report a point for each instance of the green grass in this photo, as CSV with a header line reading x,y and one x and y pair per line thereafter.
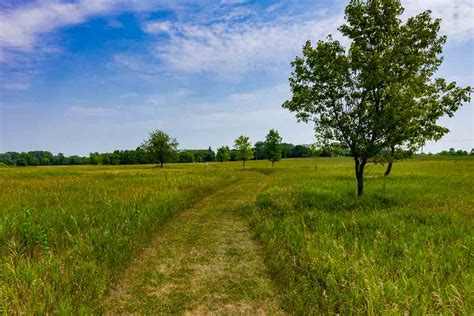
x,y
67,232
406,245
203,261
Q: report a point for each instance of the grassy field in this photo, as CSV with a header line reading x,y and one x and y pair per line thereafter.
x,y
67,233
406,245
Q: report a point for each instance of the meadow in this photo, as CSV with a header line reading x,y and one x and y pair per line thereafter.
x,y
406,245
67,232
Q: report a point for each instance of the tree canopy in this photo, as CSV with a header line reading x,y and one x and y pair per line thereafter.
x,y
273,147
380,92
244,149
223,154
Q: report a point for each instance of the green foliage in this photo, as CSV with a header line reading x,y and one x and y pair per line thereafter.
x,y
380,93
196,155
139,156
160,146
453,152
287,151
185,156
259,150
405,246
210,155
244,149
273,146
66,234
223,154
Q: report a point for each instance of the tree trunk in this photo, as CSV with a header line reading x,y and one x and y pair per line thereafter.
x,y
390,163
389,168
273,163
162,159
359,168
243,164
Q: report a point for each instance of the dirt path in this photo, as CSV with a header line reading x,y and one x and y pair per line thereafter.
x,y
203,261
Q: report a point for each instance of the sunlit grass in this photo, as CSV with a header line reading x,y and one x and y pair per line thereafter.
x,y
406,245
67,232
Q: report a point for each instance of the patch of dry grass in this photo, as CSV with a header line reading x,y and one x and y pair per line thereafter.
x,y
203,261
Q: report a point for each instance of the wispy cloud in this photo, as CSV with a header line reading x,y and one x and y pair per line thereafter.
x,y
157,27
219,37
23,26
232,47
225,48
27,28
457,16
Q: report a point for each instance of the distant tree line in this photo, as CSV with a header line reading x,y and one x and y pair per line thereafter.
x,y
452,152
40,158
139,156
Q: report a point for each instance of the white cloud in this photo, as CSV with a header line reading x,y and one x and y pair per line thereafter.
x,y
157,27
24,27
21,27
239,48
228,46
457,16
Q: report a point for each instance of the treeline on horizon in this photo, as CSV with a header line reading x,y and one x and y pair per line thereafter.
x,y
139,156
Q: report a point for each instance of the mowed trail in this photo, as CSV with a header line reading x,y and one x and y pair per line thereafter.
x,y
203,261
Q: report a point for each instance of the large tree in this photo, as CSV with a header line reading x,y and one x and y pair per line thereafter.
x,y
379,93
273,146
243,148
160,146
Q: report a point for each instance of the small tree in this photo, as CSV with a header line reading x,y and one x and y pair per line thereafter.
x,y
273,146
223,154
244,149
160,146
380,93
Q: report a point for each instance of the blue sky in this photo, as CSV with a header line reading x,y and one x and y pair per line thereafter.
x,y
95,75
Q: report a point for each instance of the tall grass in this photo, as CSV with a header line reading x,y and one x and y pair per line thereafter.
x,y
406,245
67,232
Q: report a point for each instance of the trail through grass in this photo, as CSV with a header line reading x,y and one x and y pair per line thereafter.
x,y
202,261
67,233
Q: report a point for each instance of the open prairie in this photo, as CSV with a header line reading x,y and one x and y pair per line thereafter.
x,y
292,239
